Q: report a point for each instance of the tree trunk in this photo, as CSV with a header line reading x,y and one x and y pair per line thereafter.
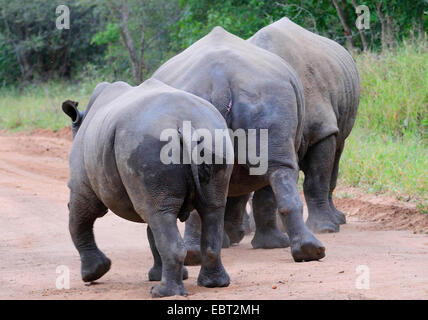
x,y
383,25
26,69
136,57
390,31
121,15
421,21
129,43
387,25
346,28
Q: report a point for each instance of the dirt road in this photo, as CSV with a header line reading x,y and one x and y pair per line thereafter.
x,y
34,241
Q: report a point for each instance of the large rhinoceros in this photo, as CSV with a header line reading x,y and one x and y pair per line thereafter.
x,y
332,92
115,163
253,89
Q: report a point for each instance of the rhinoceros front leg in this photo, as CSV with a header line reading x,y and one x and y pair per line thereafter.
x,y
267,235
318,165
192,239
234,218
155,273
84,210
304,245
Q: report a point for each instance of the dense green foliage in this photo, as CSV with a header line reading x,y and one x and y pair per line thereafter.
x,y
244,18
31,48
147,24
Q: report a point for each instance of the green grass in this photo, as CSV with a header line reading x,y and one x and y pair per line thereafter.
x,y
381,163
39,105
387,149
394,95
386,152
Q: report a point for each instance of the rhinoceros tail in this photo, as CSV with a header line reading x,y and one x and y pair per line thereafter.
x,y
199,172
195,174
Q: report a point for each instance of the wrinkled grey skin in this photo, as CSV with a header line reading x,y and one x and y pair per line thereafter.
x,y
252,88
332,92
115,164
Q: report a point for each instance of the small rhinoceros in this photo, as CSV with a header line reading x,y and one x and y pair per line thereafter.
x,y
115,163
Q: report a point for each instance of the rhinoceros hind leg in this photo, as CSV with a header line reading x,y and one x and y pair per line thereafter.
x,y
304,245
318,167
155,273
172,251
340,216
212,273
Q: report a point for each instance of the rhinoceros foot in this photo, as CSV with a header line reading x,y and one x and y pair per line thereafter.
x,y
307,248
155,273
168,289
274,238
94,265
325,222
217,277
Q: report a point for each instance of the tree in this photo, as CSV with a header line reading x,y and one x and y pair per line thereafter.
x,y
387,24
140,33
39,48
343,19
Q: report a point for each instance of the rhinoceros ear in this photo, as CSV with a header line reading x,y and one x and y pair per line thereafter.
x,y
70,108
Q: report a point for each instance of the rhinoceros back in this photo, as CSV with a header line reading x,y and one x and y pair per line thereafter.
x,y
327,71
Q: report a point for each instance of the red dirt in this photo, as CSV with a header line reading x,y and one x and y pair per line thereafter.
x,y
382,233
